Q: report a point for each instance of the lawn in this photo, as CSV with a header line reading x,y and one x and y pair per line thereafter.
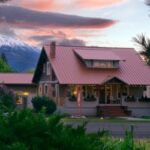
x,y
146,143
115,120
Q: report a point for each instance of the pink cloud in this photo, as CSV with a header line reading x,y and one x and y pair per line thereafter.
x,y
41,5
46,5
96,3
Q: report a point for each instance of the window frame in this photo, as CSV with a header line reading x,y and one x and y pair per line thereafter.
x,y
48,68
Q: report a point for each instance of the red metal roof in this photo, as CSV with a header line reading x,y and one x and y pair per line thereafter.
x,y
70,70
16,78
97,54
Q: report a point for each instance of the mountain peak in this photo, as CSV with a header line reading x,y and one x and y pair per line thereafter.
x,y
8,41
20,56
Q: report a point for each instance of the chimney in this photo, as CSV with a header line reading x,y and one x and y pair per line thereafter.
x,y
52,49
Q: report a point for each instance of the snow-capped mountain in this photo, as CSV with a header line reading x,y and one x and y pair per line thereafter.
x,y
20,56
7,41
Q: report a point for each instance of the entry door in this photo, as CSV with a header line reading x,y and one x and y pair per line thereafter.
x,y
102,96
108,93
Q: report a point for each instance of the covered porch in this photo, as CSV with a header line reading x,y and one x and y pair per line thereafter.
x,y
133,100
112,92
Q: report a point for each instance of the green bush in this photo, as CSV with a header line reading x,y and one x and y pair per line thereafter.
x,y
7,99
43,102
25,130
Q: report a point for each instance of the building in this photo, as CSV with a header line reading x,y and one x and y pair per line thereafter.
x,y
21,84
90,80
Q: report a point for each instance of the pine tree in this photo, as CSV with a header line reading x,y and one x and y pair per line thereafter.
x,y
4,67
3,56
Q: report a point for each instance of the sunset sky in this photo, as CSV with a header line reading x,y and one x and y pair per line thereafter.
x,y
75,22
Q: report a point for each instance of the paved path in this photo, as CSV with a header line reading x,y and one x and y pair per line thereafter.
x,y
141,130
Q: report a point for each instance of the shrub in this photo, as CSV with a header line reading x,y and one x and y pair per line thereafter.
x,y
7,99
25,130
43,102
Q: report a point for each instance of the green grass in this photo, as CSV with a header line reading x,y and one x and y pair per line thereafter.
x,y
113,120
146,143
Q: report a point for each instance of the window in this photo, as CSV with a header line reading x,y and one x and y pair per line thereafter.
x,y
89,63
19,100
102,63
44,68
45,89
40,89
48,68
97,64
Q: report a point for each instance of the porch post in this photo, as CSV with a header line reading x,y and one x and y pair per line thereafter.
x,y
105,94
79,95
128,90
57,94
58,97
117,91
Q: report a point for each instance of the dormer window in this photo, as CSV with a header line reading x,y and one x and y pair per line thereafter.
x,y
98,59
101,64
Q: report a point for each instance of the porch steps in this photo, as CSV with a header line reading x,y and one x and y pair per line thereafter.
x,y
113,111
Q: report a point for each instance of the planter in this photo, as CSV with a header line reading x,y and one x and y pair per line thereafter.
x,y
72,98
90,98
130,99
144,99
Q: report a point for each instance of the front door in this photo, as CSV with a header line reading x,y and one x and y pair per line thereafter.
x,y
109,94
102,96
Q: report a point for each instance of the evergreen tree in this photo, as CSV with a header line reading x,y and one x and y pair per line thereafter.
x,y
3,56
4,67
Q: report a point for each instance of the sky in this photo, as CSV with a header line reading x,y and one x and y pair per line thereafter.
x,y
111,23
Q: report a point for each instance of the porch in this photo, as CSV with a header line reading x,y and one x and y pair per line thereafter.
x,y
112,95
107,94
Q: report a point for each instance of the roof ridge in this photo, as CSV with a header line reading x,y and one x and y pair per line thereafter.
x,y
91,46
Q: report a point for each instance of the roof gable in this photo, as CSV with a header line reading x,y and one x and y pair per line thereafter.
x,y
39,68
